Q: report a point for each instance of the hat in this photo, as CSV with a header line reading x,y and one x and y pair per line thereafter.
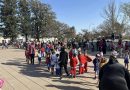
x,y
101,54
114,53
79,49
97,55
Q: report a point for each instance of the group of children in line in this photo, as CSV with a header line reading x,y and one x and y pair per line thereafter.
x,y
52,61
40,54
77,58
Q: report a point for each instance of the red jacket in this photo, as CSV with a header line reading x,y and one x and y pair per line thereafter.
x,y
71,53
89,59
84,58
42,49
73,62
32,49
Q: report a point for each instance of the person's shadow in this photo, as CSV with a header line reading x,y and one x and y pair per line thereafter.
x,y
41,71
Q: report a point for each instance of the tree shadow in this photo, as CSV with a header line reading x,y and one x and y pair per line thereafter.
x,y
29,69
41,71
14,63
35,71
68,87
85,77
90,66
75,82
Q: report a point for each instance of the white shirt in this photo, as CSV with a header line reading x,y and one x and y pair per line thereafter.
x,y
39,55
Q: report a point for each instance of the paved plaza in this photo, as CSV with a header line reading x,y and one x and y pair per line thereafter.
x,y
18,75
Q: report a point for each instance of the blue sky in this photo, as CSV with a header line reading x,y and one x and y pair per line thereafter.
x,y
80,13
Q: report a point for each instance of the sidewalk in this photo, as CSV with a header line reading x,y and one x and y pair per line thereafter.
x,y
20,76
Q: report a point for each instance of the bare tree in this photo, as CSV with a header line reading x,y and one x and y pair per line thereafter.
x,y
114,22
125,8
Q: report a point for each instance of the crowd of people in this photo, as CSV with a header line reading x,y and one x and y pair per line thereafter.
x,y
57,57
75,61
72,57
4,45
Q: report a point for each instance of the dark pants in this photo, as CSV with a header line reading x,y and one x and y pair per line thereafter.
x,y
39,59
104,50
57,71
100,49
32,58
65,68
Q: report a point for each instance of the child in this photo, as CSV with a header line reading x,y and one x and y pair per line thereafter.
x,y
48,61
73,64
39,56
43,51
88,59
96,64
57,65
53,60
82,61
126,60
27,55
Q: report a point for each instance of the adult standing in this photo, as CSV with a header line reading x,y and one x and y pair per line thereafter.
x,y
126,46
6,45
103,60
53,60
100,45
32,52
97,45
104,46
114,76
120,47
39,45
63,61
3,44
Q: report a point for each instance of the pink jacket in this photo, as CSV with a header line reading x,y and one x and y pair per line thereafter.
x,y
32,49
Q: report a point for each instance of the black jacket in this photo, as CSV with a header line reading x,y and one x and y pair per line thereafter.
x,y
114,76
63,59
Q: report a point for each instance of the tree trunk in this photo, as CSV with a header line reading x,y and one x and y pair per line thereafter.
x,y
26,37
12,39
37,35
